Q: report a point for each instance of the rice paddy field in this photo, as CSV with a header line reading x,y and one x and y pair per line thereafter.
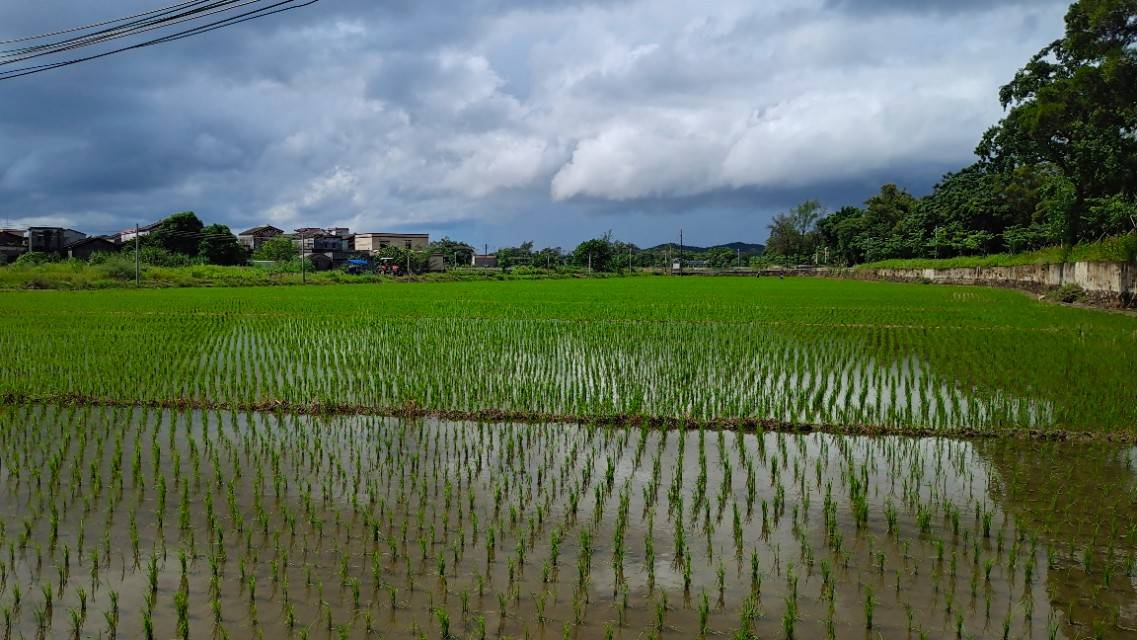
x,y
798,351
624,458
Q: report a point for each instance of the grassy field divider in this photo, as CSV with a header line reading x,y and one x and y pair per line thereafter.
x,y
411,410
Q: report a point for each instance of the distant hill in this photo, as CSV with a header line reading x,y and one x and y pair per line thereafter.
x,y
746,248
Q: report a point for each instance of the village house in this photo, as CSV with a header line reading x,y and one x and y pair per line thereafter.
x,y
322,248
319,241
51,239
12,245
485,261
371,243
252,239
128,235
85,248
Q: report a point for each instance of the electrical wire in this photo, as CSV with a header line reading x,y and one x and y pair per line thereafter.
x,y
132,26
86,27
142,26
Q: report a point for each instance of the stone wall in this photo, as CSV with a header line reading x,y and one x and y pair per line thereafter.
x,y
1110,282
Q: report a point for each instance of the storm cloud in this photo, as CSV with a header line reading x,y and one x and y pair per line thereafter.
x,y
510,120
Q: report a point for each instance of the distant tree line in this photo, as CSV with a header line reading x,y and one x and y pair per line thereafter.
x,y
605,253
182,238
1059,168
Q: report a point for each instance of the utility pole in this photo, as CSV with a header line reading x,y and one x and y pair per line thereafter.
x,y
408,244
629,258
137,260
590,262
738,257
680,248
303,271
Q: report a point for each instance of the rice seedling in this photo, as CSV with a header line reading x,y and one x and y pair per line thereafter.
x,y
276,524
840,354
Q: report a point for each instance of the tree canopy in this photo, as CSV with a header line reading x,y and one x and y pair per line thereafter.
x,y
219,246
177,233
596,253
1059,167
278,248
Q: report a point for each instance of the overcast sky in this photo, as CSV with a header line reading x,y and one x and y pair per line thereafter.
x,y
498,121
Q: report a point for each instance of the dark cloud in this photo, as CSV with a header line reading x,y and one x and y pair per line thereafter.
x,y
925,6
511,119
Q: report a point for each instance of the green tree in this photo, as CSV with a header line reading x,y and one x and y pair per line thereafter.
x,y
512,256
625,255
1074,105
837,235
219,246
596,252
455,252
965,213
549,257
720,257
792,234
419,260
178,233
278,248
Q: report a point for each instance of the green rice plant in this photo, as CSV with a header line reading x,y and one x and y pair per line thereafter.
x,y
870,607
894,362
350,484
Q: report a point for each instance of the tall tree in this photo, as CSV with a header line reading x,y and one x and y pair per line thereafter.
x,y
1074,105
279,248
178,233
519,255
219,246
596,252
792,233
456,252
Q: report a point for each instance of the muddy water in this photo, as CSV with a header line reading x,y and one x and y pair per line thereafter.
x,y
210,525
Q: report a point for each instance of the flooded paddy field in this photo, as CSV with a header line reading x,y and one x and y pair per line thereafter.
x,y
842,355
141,523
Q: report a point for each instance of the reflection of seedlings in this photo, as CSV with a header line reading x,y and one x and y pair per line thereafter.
x,y
350,508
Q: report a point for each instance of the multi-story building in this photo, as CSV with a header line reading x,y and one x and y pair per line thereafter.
x,y
370,243
252,239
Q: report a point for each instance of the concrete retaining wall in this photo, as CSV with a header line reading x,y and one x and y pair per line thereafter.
x,y
1105,281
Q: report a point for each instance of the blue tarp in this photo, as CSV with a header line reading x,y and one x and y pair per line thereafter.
x,y
357,262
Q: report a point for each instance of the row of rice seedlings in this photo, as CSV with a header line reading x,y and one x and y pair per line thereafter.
x,y
159,524
798,352
542,367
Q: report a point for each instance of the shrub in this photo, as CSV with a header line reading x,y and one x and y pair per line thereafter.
x,y
33,258
115,266
1068,293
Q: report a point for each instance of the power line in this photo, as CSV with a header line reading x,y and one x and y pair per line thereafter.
x,y
135,25
210,7
102,23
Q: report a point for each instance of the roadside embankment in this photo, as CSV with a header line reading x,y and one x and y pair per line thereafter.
x,y
1103,283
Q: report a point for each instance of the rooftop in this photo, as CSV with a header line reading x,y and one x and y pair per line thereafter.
x,y
146,227
262,228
